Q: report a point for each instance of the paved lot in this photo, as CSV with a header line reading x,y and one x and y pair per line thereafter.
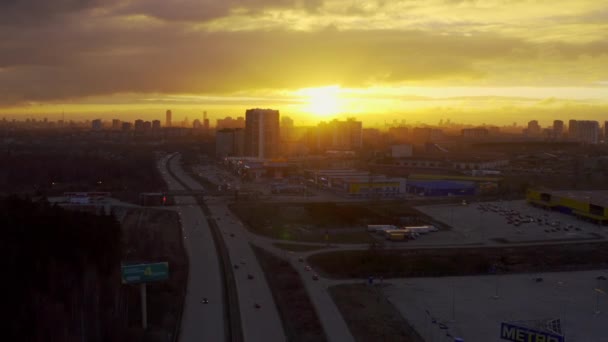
x,y
472,225
466,305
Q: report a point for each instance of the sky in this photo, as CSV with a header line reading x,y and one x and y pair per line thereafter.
x,y
472,61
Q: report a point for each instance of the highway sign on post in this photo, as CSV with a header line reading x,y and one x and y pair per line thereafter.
x,y
144,273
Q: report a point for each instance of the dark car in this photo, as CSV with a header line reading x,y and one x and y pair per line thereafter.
x,y
236,267
315,277
205,301
250,276
257,306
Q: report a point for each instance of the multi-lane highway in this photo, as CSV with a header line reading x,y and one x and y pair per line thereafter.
x,y
260,320
200,321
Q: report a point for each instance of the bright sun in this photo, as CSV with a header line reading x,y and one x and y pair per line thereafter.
x,y
322,101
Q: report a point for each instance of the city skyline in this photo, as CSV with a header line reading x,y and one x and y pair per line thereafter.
x,y
376,60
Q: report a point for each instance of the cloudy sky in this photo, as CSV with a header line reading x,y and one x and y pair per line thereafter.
x,y
472,61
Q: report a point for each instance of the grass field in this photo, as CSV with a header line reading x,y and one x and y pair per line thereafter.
x,y
369,316
309,222
451,262
298,315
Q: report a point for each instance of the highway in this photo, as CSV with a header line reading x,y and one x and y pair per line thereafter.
x,y
258,324
200,322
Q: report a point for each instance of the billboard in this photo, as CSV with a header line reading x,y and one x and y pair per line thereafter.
x,y
519,333
144,273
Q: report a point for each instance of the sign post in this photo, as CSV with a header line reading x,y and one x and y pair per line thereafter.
x,y
142,274
144,306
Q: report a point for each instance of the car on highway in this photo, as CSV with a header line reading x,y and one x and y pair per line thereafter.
x,y
205,301
257,306
308,268
315,277
250,276
236,267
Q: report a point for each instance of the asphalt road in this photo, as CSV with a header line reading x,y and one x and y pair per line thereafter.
x,y
258,324
200,322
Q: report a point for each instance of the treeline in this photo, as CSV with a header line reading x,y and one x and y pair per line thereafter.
x,y
60,273
124,172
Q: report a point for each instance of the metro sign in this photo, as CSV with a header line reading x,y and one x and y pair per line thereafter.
x,y
516,333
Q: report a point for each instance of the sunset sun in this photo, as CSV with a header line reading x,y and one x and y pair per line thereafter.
x,y
322,101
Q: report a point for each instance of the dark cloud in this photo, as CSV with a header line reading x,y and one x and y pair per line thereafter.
x,y
72,59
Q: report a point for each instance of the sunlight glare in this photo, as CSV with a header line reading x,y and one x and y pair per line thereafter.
x,y
322,101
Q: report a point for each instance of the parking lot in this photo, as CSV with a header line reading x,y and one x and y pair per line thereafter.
x,y
508,222
474,307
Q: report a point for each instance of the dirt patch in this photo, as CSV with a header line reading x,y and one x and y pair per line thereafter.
x,y
369,316
298,315
460,261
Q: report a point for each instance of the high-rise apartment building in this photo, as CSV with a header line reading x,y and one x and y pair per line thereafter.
x,y
156,124
558,128
168,115
346,135
533,129
262,133
572,129
588,131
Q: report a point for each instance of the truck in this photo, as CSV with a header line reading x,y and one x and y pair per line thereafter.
x,y
396,235
376,228
422,229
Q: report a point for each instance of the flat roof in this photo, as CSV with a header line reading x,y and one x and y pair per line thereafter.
x,y
597,197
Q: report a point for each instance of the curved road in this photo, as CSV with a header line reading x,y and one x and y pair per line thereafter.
x,y
258,324
200,322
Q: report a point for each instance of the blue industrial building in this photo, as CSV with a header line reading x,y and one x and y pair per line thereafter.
x,y
441,188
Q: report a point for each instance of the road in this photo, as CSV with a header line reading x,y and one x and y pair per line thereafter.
x,y
200,322
263,324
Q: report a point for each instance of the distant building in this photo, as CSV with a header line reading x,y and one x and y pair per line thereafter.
x,y
606,132
572,129
533,129
558,128
116,124
401,151
156,124
127,126
398,134
346,135
474,133
168,118
286,128
139,125
196,124
229,122
262,133
97,125
147,125
588,131
230,142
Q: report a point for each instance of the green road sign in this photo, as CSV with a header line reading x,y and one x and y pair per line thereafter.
x,y
144,273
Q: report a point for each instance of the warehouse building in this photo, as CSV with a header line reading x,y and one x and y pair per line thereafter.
x,y
587,205
441,188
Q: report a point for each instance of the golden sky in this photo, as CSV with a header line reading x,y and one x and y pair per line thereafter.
x,y
476,61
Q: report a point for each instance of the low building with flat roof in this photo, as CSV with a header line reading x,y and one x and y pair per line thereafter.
x,y
588,205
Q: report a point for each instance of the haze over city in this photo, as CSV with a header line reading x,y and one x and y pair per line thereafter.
x,y
304,170
313,60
